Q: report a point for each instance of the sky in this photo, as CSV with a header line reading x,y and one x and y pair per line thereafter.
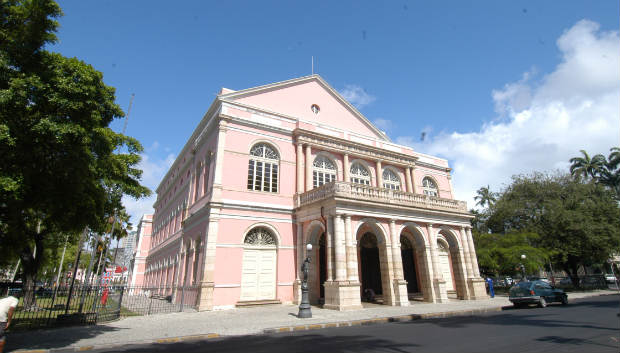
x,y
497,87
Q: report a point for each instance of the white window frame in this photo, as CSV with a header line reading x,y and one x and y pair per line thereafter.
x,y
263,168
356,174
391,180
324,170
430,190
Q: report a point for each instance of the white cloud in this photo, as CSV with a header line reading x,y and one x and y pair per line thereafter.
x,y
357,96
546,122
153,171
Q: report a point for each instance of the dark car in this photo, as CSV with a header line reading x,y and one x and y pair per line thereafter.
x,y
536,292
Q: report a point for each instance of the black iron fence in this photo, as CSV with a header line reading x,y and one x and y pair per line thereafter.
x,y
87,305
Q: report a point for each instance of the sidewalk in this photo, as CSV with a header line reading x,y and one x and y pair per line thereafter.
x,y
243,321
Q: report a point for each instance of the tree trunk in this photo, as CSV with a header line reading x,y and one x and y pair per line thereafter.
x,y
30,264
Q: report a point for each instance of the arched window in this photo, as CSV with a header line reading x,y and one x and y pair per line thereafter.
x,y
429,187
259,236
324,171
359,174
390,179
263,168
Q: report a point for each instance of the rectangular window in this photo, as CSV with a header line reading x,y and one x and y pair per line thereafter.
x,y
251,175
259,176
267,179
274,179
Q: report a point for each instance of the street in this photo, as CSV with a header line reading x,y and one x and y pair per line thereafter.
x,y
585,325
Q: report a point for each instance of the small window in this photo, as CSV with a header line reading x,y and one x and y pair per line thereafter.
x,y
324,171
390,180
359,174
315,109
429,186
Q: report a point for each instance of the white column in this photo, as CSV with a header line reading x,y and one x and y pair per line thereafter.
x,y
433,247
309,185
328,247
408,179
396,255
300,169
466,254
351,249
346,169
379,173
339,250
472,254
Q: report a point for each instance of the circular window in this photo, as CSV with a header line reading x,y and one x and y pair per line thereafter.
x,y
315,109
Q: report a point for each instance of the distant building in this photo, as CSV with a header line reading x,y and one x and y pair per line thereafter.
x,y
129,245
271,169
137,264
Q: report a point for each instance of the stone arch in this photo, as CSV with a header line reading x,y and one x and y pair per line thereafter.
x,y
421,259
457,261
367,257
315,234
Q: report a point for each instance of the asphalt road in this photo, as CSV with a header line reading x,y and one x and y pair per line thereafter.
x,y
587,325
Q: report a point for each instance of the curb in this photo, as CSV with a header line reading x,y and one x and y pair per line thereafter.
x,y
385,320
108,346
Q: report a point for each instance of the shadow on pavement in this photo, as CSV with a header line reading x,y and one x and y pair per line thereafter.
x,y
53,338
278,343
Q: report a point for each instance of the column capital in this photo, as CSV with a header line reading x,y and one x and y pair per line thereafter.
x,y
392,221
429,225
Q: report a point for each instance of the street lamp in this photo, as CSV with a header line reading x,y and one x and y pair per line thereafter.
x,y
523,266
304,306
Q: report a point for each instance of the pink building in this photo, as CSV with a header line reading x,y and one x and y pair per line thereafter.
x,y
143,238
273,168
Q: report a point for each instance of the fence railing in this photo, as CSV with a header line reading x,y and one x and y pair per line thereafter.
x,y
87,305
584,282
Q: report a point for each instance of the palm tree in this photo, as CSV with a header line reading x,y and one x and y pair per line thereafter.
x,y
610,174
485,197
586,167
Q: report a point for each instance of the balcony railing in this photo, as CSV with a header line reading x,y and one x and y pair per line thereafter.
x,y
379,195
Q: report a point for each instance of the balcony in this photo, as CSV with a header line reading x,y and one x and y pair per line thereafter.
x,y
360,192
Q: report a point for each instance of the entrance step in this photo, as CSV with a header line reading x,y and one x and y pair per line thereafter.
x,y
248,303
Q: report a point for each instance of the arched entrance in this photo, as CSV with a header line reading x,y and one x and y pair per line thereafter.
x,y
409,265
258,275
445,263
370,264
322,267
451,263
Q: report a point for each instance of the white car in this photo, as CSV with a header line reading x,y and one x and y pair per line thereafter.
x,y
610,278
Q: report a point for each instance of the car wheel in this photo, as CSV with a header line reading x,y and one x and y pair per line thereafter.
x,y
542,303
564,300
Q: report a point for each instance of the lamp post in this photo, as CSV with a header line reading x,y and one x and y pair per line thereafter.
x,y
304,306
523,265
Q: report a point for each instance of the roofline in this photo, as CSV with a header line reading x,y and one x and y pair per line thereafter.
x,y
318,78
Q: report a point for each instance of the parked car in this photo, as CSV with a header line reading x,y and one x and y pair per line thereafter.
x,y
609,278
536,292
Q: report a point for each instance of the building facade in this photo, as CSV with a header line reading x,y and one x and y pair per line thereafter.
x,y
271,169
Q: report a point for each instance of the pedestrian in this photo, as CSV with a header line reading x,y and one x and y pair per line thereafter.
x,y
7,308
491,291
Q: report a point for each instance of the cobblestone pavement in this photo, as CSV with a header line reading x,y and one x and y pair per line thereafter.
x,y
241,321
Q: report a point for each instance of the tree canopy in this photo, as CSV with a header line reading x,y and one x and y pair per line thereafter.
x,y
63,167
573,221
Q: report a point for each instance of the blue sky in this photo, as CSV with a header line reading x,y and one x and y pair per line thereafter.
x,y
500,87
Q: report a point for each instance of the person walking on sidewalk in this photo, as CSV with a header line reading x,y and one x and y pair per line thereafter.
x,y
7,308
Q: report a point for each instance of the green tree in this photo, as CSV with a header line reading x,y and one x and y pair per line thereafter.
x,y
587,167
62,167
485,197
501,253
578,222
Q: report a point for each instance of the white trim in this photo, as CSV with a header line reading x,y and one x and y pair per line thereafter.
x,y
285,284
255,218
227,202
227,285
